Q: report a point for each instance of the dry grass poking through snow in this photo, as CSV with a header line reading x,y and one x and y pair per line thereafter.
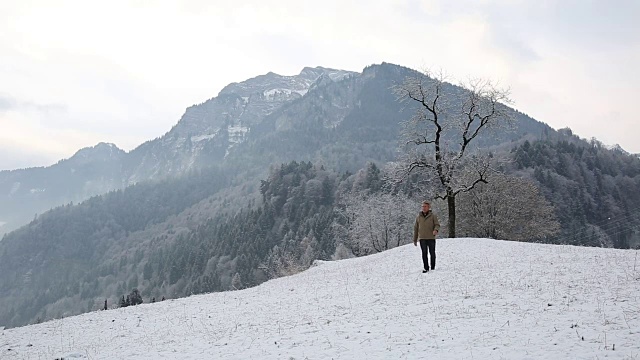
x,y
486,300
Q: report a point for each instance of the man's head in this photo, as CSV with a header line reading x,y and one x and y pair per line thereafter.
x,y
426,206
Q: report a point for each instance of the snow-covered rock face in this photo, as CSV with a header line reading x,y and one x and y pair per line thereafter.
x,y
237,134
258,97
222,123
293,86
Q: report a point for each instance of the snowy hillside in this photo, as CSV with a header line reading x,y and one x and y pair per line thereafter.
x,y
486,300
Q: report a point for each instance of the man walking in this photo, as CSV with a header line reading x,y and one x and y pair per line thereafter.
x,y
425,229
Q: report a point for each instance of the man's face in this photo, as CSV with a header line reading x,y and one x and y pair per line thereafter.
x,y
426,207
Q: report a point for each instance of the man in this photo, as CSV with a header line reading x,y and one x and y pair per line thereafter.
x,y
425,230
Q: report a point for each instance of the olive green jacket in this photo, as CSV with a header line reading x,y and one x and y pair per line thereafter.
x,y
425,225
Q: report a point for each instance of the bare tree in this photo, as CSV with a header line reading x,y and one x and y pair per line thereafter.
x,y
507,207
436,140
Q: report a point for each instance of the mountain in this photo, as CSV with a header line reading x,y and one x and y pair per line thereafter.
x,y
342,118
27,192
203,212
205,134
169,238
487,299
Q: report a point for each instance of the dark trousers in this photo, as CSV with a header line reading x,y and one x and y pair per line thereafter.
x,y
428,247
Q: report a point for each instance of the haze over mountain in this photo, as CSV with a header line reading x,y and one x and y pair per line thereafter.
x,y
285,118
204,136
251,185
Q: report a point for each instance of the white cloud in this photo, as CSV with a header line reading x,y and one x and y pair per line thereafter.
x,y
126,70
26,137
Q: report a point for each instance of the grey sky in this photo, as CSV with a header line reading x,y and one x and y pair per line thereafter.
x,y
75,73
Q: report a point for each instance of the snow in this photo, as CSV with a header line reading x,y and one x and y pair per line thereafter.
x,y
272,93
487,299
14,188
237,132
204,137
338,75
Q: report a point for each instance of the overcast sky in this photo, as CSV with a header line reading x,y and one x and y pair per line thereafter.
x,y
75,73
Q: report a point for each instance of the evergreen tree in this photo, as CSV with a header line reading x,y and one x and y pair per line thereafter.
x,y
135,298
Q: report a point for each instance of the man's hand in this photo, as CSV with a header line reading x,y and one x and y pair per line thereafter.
x,y
435,232
415,243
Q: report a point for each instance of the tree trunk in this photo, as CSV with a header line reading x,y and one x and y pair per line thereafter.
x,y
451,204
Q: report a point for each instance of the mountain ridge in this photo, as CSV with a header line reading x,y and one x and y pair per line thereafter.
x,y
271,201
204,135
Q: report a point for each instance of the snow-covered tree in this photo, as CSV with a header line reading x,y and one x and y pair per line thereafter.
x,y
280,263
437,139
507,207
379,222
236,282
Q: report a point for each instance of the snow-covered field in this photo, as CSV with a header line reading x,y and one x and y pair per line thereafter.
x,y
486,300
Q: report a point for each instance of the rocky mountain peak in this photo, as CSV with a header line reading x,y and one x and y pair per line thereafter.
x,y
101,158
271,82
99,152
